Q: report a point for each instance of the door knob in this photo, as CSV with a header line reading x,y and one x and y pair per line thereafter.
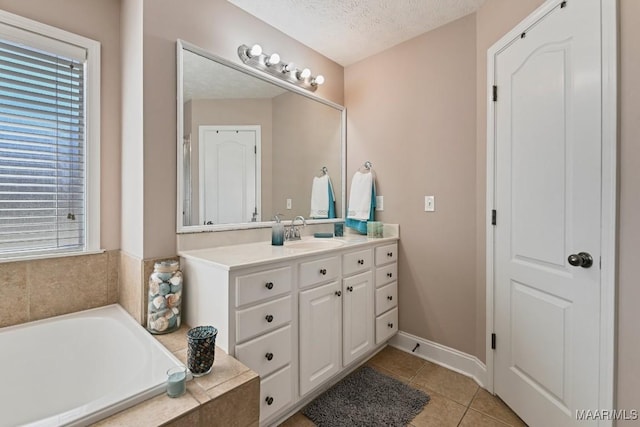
x,y
583,259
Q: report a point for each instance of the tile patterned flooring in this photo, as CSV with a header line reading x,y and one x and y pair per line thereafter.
x,y
456,400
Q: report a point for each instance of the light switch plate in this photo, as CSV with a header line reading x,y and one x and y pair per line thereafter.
x,y
429,203
288,203
379,203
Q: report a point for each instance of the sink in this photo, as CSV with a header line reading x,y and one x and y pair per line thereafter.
x,y
313,244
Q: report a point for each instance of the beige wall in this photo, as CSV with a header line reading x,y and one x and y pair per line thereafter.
x,y
628,386
132,188
97,20
220,28
412,113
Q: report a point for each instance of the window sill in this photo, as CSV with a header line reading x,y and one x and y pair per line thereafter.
x,y
4,259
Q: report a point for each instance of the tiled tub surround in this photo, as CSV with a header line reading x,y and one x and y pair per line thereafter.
x,y
228,396
72,370
42,288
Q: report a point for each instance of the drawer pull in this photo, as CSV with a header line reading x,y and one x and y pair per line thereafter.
x,y
361,261
269,356
389,254
269,318
389,275
323,271
350,288
269,400
339,293
390,298
390,325
269,285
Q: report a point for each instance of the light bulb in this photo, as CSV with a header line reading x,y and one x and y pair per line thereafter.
x,y
289,67
304,74
256,50
318,80
273,59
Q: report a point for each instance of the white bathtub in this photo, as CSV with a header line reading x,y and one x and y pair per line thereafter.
x,y
78,368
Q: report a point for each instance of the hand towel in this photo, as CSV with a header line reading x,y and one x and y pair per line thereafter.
x,y
360,196
320,197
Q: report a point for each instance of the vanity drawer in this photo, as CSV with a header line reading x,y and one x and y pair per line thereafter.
x,y
386,325
386,274
356,262
262,318
275,392
267,353
262,285
386,254
319,271
386,297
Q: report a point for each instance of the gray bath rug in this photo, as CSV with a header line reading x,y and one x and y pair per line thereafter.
x,y
367,398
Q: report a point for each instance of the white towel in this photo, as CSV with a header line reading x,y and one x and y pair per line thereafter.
x,y
360,196
320,197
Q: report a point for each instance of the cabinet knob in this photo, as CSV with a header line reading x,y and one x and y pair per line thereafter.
x,y
339,293
323,271
269,285
389,275
269,356
269,400
350,288
390,298
269,318
389,254
361,261
390,325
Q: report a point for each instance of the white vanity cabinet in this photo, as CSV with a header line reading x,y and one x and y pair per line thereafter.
x,y
386,298
298,319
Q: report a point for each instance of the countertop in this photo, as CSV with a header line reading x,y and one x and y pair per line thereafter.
x,y
259,253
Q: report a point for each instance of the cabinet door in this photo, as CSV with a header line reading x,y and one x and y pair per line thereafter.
x,y
320,335
357,316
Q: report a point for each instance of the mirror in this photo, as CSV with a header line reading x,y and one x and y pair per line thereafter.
x,y
249,146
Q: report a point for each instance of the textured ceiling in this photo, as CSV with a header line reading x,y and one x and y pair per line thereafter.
x,y
350,30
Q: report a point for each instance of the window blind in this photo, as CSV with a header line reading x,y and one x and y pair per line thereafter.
x,y
42,150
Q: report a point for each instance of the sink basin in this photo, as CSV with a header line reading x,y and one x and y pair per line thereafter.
x,y
314,244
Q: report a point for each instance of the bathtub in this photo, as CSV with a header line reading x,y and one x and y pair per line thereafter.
x,y
78,368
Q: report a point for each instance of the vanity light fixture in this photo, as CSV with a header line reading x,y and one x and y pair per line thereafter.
x,y
271,64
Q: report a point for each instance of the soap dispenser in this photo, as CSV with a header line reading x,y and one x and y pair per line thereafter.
x,y
277,232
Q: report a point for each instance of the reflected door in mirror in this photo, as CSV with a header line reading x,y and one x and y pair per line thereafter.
x,y
229,187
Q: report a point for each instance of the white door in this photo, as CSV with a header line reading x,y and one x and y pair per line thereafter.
x,y
548,202
228,179
320,335
357,317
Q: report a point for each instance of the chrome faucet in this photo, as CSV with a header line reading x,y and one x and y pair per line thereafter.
x,y
293,233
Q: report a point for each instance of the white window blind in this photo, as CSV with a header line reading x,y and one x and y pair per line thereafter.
x,y
42,150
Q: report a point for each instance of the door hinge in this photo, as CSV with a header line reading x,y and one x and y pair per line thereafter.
x,y
493,341
494,216
495,93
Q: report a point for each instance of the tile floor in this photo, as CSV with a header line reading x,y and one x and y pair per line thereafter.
x,y
456,400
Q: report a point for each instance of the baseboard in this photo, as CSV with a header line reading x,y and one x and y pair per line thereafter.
x,y
442,355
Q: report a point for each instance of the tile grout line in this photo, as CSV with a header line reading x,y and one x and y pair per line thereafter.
x,y
466,410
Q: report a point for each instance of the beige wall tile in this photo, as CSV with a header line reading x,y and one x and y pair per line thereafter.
x,y
130,286
236,407
192,419
113,270
224,369
66,285
14,304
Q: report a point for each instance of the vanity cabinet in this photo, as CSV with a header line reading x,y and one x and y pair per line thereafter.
x,y
386,298
299,320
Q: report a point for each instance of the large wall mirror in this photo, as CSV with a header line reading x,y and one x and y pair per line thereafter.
x,y
249,146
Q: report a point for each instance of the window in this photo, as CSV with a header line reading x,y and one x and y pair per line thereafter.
x,y
49,140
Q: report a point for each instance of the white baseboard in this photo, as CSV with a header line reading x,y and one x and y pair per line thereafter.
x,y
442,355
